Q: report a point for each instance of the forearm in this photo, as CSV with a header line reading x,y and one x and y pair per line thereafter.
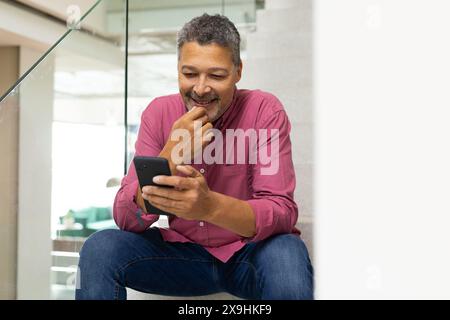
x,y
126,212
140,200
232,214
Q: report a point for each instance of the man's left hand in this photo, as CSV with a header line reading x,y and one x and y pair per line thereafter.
x,y
190,198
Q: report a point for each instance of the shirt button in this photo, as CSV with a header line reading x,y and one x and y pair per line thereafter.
x,y
201,223
202,171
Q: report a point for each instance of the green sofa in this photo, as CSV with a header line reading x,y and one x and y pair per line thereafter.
x,y
88,221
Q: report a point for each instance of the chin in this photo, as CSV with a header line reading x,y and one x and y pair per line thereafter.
x,y
213,112
213,115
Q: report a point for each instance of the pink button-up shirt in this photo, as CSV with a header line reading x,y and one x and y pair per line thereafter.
x,y
271,196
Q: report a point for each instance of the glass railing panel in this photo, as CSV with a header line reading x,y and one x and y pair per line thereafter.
x,y
20,21
62,130
75,17
152,57
62,139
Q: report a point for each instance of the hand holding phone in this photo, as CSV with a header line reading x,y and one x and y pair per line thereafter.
x,y
146,169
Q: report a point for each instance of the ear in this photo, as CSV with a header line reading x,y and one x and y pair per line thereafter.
x,y
239,72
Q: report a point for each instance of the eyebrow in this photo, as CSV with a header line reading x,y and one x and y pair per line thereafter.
x,y
210,69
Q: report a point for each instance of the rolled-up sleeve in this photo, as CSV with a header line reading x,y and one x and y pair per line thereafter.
x,y
273,192
127,214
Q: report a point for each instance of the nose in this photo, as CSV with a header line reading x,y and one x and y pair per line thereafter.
x,y
201,87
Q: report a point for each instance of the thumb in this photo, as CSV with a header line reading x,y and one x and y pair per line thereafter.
x,y
189,171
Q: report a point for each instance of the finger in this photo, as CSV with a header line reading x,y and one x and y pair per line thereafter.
x,y
177,208
167,193
207,132
157,200
207,138
195,113
164,204
189,171
198,125
204,119
174,181
207,126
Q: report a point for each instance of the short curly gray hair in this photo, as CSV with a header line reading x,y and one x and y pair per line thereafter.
x,y
207,29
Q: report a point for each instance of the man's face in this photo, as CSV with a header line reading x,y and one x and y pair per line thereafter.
x,y
207,77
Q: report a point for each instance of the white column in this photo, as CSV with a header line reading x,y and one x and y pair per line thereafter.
x,y
35,153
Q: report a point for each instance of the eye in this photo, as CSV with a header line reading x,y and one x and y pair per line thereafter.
x,y
189,74
217,76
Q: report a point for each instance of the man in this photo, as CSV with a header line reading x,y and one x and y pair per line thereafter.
x,y
233,227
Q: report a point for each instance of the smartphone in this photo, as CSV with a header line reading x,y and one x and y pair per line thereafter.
x,y
146,169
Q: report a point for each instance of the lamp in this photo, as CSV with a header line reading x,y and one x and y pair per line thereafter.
x,y
113,182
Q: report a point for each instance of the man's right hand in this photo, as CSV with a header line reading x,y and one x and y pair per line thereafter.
x,y
187,122
184,122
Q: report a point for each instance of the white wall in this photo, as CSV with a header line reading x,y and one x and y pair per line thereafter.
x,y
279,60
382,158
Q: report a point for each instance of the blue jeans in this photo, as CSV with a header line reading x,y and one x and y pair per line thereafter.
x,y
111,260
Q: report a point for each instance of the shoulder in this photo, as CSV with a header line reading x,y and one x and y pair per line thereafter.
x,y
164,104
262,104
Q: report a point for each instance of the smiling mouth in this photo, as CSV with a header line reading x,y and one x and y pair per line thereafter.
x,y
203,103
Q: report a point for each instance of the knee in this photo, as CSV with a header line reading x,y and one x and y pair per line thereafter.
x,y
287,249
286,271
99,246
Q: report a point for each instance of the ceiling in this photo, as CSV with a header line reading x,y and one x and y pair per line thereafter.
x,y
136,5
